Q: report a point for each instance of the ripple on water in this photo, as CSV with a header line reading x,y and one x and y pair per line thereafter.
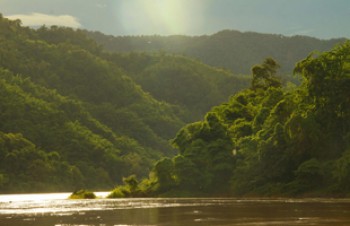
x,y
164,211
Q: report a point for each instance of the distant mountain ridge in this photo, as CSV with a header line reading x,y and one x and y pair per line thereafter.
x,y
229,49
75,116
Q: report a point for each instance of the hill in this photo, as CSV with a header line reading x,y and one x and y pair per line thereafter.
x,y
267,140
73,116
180,81
230,49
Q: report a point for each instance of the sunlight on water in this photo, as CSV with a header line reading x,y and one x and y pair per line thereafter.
x,y
47,203
33,197
57,210
42,196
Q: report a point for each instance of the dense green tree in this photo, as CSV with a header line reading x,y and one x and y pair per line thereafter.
x,y
186,173
264,75
271,140
164,172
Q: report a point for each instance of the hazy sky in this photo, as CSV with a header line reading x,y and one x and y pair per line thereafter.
x,y
318,18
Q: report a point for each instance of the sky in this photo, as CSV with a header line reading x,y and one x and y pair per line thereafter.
x,y
324,19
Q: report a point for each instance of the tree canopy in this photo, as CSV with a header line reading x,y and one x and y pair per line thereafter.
x,y
269,140
74,116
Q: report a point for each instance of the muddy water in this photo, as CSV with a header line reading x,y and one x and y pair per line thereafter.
x,y
57,210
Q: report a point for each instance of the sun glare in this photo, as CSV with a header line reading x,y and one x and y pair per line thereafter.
x,y
159,16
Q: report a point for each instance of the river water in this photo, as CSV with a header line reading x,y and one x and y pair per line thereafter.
x,y
57,210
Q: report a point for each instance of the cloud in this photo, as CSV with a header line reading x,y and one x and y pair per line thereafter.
x,y
38,19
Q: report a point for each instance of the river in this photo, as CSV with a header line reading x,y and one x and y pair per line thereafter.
x,y
57,210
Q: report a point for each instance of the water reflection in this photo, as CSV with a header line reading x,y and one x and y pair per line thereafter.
x,y
56,210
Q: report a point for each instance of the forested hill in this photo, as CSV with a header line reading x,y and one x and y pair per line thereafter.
x,y
268,140
73,116
230,49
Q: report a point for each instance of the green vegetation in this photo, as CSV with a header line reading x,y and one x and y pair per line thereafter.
x,y
73,116
193,86
234,50
268,140
82,194
131,188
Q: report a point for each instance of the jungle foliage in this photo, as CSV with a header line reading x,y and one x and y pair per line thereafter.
x,y
267,140
73,116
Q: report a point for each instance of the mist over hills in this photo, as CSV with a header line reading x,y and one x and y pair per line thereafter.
x,y
230,49
73,115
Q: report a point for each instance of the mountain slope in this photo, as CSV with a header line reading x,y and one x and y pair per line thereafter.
x,y
48,141
81,115
181,81
267,140
230,49
61,98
